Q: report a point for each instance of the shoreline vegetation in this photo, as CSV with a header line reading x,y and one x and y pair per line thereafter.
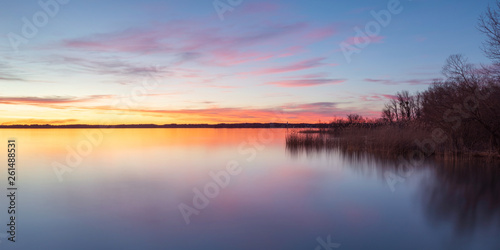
x,y
388,141
456,117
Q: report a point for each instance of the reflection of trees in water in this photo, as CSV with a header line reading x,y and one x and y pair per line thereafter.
x,y
361,162
310,144
465,193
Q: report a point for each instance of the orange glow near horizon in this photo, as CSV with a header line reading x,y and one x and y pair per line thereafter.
x,y
103,115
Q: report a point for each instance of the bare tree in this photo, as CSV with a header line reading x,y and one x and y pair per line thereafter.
x,y
395,109
355,118
489,24
417,106
458,69
403,108
404,100
387,114
466,106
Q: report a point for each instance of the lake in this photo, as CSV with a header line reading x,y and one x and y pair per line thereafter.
x,y
236,189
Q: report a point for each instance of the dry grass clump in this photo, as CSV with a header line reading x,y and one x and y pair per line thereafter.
x,y
384,140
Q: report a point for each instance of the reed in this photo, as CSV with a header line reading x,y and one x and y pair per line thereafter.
x,y
383,140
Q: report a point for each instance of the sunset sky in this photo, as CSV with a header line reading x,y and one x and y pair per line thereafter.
x,y
178,61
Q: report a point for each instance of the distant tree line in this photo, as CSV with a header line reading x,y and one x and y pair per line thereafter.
x,y
174,125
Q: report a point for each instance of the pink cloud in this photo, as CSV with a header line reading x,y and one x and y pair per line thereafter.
x,y
321,33
183,36
308,76
306,82
411,81
390,96
294,112
232,57
364,39
301,65
213,45
293,50
376,97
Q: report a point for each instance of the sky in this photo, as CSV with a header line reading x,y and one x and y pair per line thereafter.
x,y
223,61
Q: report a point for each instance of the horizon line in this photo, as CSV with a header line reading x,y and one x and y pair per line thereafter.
x,y
171,125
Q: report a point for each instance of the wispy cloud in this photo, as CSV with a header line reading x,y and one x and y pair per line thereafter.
x,y
12,78
8,73
106,66
306,82
308,76
293,112
206,43
312,106
376,97
364,39
25,100
181,37
396,82
297,66
40,121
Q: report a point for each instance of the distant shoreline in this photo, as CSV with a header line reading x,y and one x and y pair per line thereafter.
x,y
220,125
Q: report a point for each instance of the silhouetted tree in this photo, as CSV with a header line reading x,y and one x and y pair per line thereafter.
x,y
466,105
387,114
355,118
489,24
403,108
458,69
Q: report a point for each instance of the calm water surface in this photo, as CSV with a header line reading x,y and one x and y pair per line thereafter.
x,y
125,191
